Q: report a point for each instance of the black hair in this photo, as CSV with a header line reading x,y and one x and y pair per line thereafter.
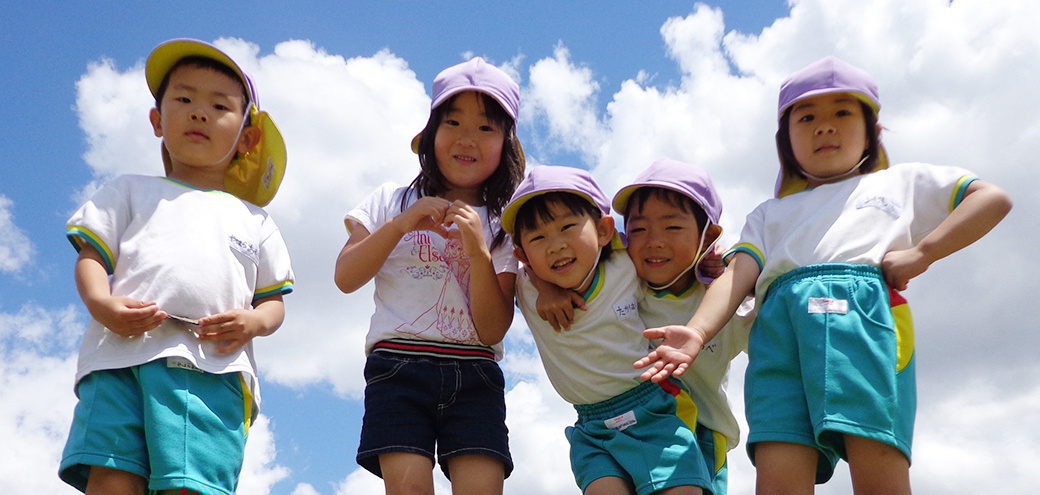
x,y
202,63
498,188
640,196
789,164
537,210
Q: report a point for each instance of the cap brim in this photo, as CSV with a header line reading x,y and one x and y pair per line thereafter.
x,y
167,54
255,176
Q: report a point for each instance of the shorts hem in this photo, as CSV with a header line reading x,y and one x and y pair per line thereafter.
x,y
875,434
75,468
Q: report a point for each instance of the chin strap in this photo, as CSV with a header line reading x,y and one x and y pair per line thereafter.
x,y
836,177
591,273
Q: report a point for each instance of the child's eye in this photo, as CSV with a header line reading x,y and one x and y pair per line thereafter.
x,y
674,227
636,230
182,99
806,118
450,122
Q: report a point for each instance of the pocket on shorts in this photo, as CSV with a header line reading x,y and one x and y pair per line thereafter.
x,y
379,368
491,374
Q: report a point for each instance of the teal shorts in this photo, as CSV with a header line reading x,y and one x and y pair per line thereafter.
x,y
647,435
174,425
831,353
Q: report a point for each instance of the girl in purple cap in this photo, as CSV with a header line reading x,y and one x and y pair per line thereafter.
x,y
831,354
444,273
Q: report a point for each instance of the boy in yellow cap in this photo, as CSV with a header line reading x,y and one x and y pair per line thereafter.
x,y
179,274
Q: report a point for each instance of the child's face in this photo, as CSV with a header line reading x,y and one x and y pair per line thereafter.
x,y
468,147
663,241
199,119
828,134
564,250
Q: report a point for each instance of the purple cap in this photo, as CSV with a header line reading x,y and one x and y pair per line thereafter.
x,y
477,75
686,179
827,75
553,178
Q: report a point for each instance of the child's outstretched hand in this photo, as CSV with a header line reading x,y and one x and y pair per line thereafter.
x,y
673,356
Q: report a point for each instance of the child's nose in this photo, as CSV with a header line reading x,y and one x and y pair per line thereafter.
x,y
197,115
825,128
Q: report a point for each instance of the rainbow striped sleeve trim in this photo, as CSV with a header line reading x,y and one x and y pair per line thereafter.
x,y
282,288
960,189
80,236
749,249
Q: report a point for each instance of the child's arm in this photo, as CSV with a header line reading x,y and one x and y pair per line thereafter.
x,y
364,253
983,207
555,304
235,328
681,344
490,294
124,316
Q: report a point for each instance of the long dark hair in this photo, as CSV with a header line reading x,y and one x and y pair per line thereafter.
x,y
498,188
789,164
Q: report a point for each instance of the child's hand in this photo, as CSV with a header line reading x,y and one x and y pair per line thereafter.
x,y
679,348
470,229
127,317
901,266
230,330
711,265
556,306
425,214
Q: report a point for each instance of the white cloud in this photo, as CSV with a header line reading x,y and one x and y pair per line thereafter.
x,y
16,250
37,364
958,84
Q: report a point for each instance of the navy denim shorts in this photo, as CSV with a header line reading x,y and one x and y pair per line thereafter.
x,y
414,403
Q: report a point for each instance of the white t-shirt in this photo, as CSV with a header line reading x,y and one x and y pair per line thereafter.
x,y
856,220
196,253
592,362
707,377
422,290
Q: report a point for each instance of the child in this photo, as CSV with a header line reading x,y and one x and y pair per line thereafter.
x,y
671,213
630,437
444,276
179,276
831,368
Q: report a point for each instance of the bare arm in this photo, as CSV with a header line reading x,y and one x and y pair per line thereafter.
x,y
124,316
490,294
983,207
364,253
682,343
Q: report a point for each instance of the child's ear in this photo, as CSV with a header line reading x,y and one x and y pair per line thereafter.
x,y
519,253
605,230
156,119
712,235
251,136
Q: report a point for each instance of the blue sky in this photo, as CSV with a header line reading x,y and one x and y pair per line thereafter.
x,y
607,86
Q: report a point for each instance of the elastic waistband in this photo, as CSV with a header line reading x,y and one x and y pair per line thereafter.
x,y
426,348
825,269
626,401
